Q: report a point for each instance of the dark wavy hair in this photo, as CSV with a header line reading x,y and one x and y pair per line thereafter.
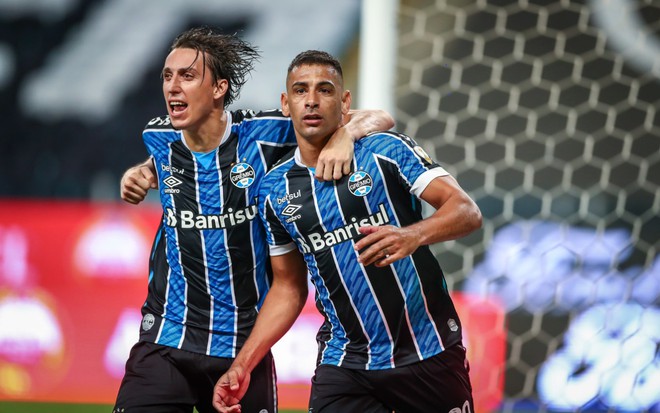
x,y
228,56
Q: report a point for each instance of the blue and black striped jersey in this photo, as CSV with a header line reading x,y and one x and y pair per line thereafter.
x,y
375,318
208,266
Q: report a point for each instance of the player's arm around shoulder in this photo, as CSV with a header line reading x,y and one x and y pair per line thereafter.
x,y
336,157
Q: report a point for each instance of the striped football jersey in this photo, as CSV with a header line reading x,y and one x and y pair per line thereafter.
x,y
375,318
208,265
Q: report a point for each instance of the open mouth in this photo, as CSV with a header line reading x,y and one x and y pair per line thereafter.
x,y
177,106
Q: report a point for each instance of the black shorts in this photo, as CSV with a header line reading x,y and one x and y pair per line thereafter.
x,y
169,380
438,384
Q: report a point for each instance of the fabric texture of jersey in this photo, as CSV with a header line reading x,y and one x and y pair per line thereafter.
x,y
375,318
208,264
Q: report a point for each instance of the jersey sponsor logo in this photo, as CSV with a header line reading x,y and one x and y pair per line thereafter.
x,y
192,219
171,169
290,212
360,183
148,321
317,241
171,183
242,175
288,197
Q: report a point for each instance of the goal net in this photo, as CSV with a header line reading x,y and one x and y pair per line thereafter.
x,y
546,113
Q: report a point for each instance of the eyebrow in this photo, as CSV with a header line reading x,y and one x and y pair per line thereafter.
x,y
179,70
305,83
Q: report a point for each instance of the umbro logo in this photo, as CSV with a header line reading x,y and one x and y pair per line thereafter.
x,y
290,212
171,181
290,209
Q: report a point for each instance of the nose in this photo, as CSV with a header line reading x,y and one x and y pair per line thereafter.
x,y
311,102
173,85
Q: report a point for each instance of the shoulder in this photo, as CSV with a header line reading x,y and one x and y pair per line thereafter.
x,y
385,140
248,115
276,175
394,145
281,167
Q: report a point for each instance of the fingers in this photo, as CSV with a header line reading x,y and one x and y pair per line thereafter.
x,y
376,248
135,184
346,169
226,407
328,170
385,244
149,177
377,254
336,157
224,398
320,170
340,169
132,192
366,230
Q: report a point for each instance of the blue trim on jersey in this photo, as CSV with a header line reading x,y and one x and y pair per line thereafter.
x,y
206,159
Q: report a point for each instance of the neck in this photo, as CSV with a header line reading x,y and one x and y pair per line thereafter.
x,y
208,135
310,149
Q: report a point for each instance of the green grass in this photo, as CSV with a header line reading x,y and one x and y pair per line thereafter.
x,y
25,407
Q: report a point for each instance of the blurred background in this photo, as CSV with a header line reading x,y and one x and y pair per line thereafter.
x,y
546,111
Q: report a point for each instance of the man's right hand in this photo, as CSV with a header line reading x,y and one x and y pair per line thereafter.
x,y
230,389
137,181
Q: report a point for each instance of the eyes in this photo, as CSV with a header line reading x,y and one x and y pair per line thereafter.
x,y
324,90
187,75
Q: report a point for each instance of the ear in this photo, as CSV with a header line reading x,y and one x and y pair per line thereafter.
x,y
284,99
346,102
220,88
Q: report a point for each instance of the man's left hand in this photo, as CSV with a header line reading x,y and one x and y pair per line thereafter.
x,y
385,244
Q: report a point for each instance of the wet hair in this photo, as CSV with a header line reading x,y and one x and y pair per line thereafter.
x,y
227,56
316,57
